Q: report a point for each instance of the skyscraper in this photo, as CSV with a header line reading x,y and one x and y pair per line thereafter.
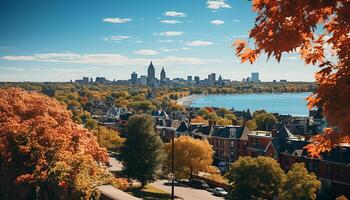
x,y
134,78
255,77
162,76
151,75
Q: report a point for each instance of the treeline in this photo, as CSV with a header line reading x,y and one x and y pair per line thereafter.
x,y
256,88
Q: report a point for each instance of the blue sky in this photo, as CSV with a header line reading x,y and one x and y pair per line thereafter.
x,y
44,40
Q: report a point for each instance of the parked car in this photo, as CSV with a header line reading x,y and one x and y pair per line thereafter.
x,y
196,183
219,192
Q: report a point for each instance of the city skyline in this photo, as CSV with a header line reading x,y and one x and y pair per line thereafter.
x,y
115,38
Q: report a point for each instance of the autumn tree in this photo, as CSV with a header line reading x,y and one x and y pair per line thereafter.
x,y
108,138
43,154
142,153
255,178
319,32
191,156
300,184
251,124
265,121
91,124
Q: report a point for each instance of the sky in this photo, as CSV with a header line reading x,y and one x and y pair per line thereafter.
x,y
62,40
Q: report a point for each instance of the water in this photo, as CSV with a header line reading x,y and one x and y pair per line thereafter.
x,y
283,103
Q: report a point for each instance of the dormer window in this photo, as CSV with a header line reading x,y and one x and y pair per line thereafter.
x,y
233,133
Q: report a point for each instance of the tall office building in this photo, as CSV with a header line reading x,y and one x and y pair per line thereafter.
x,y
189,78
255,77
211,79
134,78
151,75
220,81
162,76
196,79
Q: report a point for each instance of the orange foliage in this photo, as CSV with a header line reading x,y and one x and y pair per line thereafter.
x,y
40,146
199,119
295,26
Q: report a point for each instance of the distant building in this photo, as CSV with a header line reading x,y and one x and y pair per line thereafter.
x,y
143,80
91,80
189,79
85,80
283,81
255,77
151,75
196,79
211,79
134,78
101,80
220,81
162,77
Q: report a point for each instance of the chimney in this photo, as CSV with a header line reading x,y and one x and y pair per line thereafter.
x,y
307,137
210,123
273,132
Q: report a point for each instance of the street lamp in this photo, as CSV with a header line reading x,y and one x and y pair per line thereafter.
x,y
173,166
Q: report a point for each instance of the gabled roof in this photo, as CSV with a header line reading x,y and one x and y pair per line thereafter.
x,y
284,133
183,127
227,131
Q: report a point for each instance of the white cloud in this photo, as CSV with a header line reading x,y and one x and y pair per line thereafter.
x,y
107,59
199,43
185,48
147,52
236,20
169,50
170,33
138,41
165,41
217,4
116,38
170,21
117,20
217,22
175,14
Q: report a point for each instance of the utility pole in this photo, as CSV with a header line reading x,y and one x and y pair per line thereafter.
x,y
173,166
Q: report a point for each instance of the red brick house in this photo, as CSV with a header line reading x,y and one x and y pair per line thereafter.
x,y
229,142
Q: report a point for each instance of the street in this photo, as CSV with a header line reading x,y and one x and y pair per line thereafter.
x,y
185,192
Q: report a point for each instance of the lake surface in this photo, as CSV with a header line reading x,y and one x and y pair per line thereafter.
x,y
283,103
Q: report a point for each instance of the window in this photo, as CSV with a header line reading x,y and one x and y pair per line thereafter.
x,y
329,170
232,144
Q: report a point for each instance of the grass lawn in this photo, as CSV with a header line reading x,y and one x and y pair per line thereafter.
x,y
149,192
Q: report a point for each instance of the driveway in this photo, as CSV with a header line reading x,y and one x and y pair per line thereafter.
x,y
185,192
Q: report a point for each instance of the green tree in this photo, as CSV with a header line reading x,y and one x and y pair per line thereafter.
x,y
300,184
255,178
91,124
142,153
265,121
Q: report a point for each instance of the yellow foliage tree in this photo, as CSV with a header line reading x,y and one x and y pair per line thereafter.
x,y
191,156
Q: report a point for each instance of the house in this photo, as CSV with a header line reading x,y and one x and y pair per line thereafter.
x,y
332,168
270,143
229,142
167,129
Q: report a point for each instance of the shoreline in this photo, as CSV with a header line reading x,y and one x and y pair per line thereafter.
x,y
186,101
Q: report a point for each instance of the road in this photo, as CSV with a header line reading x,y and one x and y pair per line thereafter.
x,y
185,192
